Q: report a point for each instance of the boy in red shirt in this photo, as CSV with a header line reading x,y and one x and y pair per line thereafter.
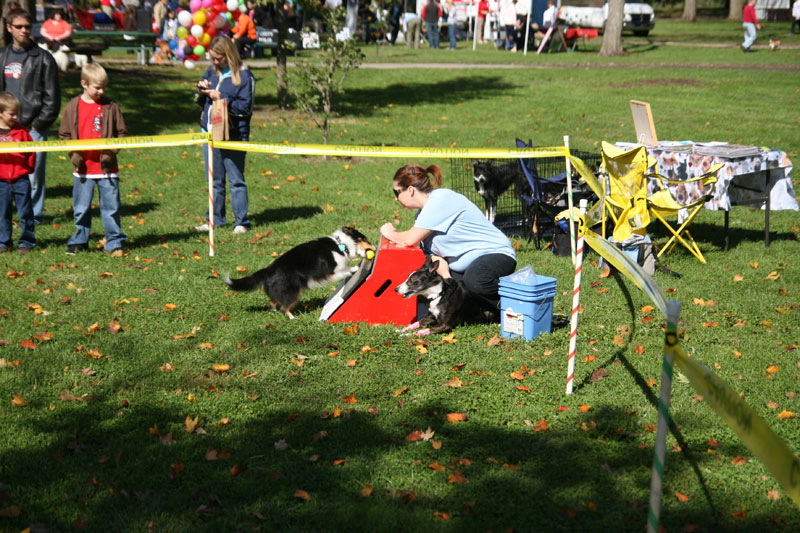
x,y
94,116
15,187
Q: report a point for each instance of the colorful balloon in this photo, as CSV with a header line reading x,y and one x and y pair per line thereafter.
x,y
173,44
188,63
191,41
220,21
195,5
181,32
199,17
205,39
208,3
211,31
232,5
199,50
185,19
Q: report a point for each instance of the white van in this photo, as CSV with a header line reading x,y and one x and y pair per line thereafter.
x,y
639,17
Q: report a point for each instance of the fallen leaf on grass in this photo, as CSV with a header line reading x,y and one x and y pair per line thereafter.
x,y
399,391
28,344
740,514
190,424
440,515
773,276
455,382
772,369
352,362
541,426
18,401
681,497
585,408
738,460
421,349
220,367
175,469
737,278
773,495
456,477
235,470
352,329
517,374
366,491
303,495
350,399
523,388
11,511
436,467
598,374
786,414
456,417
494,341
414,436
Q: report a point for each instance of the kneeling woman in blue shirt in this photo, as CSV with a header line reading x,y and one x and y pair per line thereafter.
x,y
451,227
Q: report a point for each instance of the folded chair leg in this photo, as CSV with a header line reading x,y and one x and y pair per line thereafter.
x,y
693,249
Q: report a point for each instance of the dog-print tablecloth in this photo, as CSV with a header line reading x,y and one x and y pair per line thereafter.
x,y
749,171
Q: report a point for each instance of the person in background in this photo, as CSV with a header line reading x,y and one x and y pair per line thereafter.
x,y
454,231
412,24
227,78
508,17
56,31
483,10
431,14
160,15
394,20
449,11
92,115
549,17
170,26
795,15
15,187
244,32
31,74
523,9
750,25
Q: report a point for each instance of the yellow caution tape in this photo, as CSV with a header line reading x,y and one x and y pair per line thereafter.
x,y
749,427
628,267
392,151
144,141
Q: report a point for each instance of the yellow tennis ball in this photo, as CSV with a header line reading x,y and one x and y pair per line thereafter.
x,y
370,254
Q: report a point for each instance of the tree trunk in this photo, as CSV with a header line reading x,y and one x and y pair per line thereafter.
x,y
612,34
689,11
735,11
281,77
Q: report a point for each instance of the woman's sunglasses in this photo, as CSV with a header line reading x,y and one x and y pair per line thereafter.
x,y
398,191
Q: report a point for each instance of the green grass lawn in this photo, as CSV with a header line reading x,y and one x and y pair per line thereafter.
x,y
124,346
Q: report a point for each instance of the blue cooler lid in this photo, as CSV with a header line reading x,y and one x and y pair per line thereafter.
x,y
544,284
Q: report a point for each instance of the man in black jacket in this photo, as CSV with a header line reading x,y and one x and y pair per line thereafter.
x,y
31,74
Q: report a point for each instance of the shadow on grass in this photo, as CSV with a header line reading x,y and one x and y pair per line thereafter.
x,y
714,235
108,466
452,92
283,214
145,113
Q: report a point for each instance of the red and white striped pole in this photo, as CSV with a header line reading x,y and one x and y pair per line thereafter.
x,y
210,174
576,299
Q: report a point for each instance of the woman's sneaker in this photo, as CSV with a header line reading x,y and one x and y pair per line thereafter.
x,y
202,227
238,230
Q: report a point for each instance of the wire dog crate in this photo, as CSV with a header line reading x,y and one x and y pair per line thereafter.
x,y
510,215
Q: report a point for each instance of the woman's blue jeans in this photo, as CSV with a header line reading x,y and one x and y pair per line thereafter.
x,y
228,163
82,193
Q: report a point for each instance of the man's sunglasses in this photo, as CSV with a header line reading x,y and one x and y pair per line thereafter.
x,y
21,26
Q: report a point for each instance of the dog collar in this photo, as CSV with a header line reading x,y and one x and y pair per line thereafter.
x,y
342,246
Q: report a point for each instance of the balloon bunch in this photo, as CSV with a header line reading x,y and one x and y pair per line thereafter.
x,y
198,25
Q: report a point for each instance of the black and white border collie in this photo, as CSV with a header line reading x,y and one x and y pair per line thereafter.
x,y
446,296
492,181
306,266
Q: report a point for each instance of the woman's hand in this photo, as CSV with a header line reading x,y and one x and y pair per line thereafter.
x,y
444,268
387,230
212,93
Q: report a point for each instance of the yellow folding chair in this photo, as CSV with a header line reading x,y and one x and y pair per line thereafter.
x,y
662,204
625,189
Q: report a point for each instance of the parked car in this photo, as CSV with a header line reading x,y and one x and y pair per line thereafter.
x,y
639,17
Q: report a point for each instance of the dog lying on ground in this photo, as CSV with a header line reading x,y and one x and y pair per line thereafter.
x,y
309,265
492,181
446,296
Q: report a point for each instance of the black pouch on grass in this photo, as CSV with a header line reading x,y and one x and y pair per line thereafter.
x,y
561,237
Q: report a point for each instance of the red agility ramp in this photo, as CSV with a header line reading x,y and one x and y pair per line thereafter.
x,y
368,295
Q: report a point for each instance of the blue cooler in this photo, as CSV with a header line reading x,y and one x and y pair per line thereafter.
x,y
526,310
